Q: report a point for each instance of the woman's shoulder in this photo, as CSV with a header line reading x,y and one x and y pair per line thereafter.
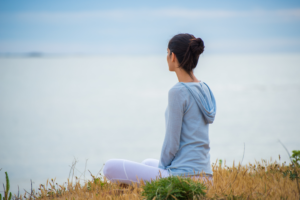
x,y
178,87
182,87
178,90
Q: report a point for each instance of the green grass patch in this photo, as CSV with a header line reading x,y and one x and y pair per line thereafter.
x,y
173,187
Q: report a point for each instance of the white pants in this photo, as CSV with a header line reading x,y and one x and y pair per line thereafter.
x,y
126,171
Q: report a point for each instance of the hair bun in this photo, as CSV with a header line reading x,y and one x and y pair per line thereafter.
x,y
187,49
197,46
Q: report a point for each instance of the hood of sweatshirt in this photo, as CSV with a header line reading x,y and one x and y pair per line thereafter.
x,y
204,99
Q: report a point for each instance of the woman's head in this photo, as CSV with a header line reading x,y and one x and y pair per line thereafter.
x,y
187,50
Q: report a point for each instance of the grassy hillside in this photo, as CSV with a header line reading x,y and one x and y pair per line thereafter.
x,y
260,180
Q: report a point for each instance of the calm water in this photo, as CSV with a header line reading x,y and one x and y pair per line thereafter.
x,y
55,109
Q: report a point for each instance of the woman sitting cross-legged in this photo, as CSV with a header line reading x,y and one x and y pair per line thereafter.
x,y
191,108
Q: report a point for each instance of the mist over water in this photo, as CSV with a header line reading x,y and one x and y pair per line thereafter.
x,y
55,109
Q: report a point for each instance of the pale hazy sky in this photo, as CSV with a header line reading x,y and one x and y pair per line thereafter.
x,y
140,27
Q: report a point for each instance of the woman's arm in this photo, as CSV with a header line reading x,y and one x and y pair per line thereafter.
x,y
174,118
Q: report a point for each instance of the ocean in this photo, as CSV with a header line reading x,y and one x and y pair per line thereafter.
x,y
57,109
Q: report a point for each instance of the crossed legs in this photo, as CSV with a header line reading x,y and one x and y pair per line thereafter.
x,y
126,171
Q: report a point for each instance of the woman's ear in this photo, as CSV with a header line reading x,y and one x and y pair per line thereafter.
x,y
173,57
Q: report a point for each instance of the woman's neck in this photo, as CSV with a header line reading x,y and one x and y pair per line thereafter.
x,y
183,76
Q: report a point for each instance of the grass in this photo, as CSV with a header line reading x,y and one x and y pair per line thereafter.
x,y
259,180
174,187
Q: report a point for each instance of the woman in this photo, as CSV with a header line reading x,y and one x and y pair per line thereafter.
x,y
191,108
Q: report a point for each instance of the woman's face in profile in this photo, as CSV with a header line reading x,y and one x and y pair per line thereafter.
x,y
169,60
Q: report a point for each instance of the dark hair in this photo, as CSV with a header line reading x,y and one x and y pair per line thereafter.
x,y
187,49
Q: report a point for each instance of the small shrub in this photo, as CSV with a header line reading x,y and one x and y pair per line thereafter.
x,y
296,157
174,187
7,194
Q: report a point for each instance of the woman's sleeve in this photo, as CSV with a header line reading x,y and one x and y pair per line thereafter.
x,y
174,118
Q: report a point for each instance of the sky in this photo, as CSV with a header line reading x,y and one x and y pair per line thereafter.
x,y
145,27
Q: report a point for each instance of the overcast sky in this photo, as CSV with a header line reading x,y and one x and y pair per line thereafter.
x,y
140,27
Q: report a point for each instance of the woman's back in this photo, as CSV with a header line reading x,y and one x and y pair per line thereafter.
x,y
191,107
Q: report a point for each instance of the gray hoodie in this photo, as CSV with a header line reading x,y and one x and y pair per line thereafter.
x,y
191,108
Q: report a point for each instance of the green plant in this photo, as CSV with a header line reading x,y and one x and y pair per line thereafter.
x,y
96,181
294,171
7,194
296,157
295,175
220,162
292,174
174,187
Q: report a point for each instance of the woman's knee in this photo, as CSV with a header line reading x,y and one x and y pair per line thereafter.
x,y
110,167
150,162
146,161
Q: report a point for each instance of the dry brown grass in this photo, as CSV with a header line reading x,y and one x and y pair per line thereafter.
x,y
262,180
